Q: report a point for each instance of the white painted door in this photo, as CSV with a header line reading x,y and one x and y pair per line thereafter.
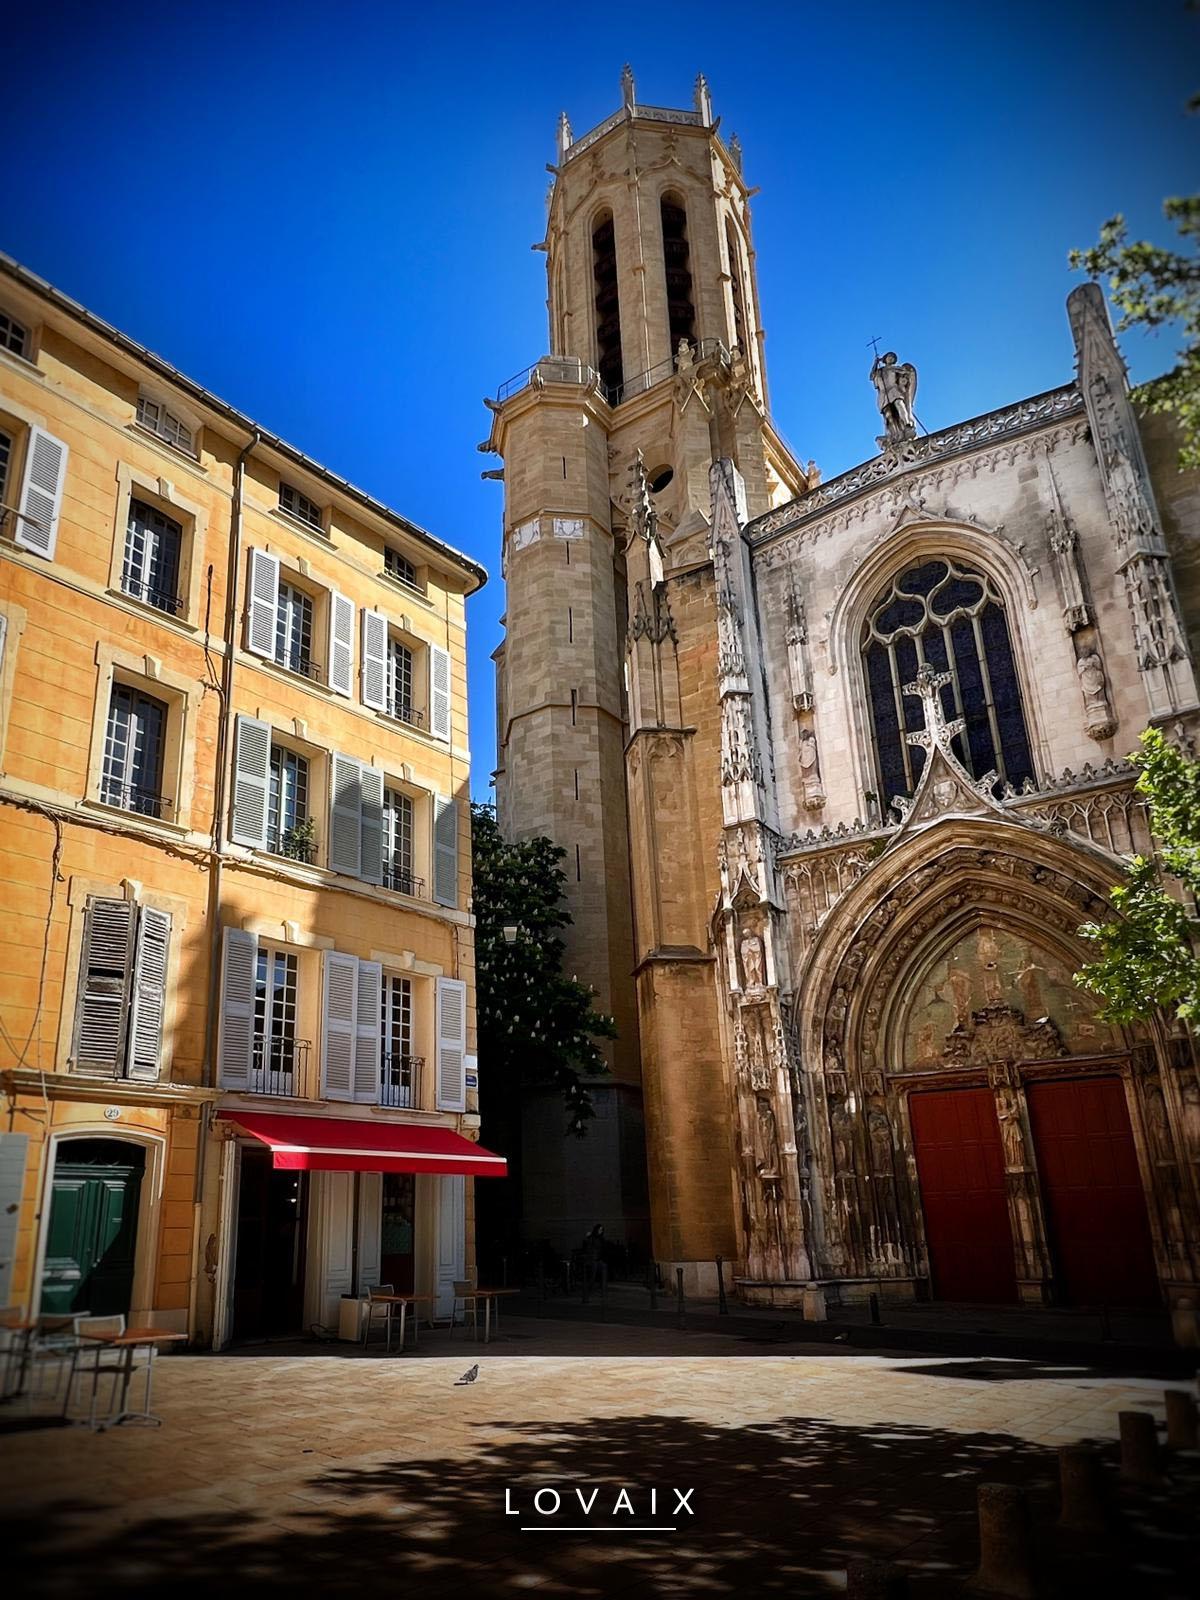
x,y
452,1239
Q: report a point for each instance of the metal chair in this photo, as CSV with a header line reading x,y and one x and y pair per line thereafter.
x,y
379,1310
106,1362
14,1342
51,1346
464,1294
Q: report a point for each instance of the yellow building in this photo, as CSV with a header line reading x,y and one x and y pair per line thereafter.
x,y
234,850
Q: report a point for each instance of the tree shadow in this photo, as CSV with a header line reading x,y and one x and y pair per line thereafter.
x,y
778,1508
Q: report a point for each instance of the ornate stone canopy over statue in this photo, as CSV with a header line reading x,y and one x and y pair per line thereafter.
x,y
895,393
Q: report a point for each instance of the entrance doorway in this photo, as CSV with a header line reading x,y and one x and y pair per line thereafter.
x,y
1092,1193
91,1243
961,1170
396,1233
268,1286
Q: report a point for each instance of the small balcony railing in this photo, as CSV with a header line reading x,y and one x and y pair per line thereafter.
x,y
293,844
305,666
400,1081
280,1067
132,797
403,712
151,595
403,882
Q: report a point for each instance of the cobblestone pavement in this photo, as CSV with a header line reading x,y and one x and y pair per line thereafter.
x,y
276,1469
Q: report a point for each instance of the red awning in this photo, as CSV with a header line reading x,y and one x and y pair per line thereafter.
x,y
340,1144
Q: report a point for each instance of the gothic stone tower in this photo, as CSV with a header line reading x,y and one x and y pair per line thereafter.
x,y
655,369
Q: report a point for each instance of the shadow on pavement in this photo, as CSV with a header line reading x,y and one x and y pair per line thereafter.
x,y
779,1509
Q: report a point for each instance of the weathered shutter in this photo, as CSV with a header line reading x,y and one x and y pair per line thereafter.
x,y
149,993
439,693
41,493
3,638
374,660
341,644
345,814
235,1052
445,851
368,1026
262,606
339,1026
451,1044
13,1150
371,864
102,1006
251,773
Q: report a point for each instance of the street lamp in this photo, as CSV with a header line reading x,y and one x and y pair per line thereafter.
x,y
510,931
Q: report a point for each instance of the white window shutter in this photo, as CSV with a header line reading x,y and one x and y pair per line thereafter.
x,y
439,693
149,994
262,607
251,774
338,1026
41,493
451,1044
445,851
341,644
14,1148
371,831
368,1028
374,660
235,1054
102,1003
345,815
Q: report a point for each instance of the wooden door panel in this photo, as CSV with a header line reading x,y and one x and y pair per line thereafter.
x,y
1092,1192
961,1169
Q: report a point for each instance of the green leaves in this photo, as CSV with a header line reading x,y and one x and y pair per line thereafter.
x,y
535,1025
1147,957
1152,286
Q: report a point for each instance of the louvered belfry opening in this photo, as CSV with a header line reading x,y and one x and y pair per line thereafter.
x,y
608,309
681,312
737,287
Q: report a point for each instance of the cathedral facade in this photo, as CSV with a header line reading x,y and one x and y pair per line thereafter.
x,y
838,770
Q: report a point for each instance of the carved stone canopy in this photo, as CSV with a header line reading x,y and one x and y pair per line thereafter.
x,y
1000,1033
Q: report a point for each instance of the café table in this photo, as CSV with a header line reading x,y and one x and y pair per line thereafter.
x,y
487,1296
125,1344
386,1297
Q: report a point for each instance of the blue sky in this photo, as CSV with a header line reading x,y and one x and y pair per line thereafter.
x,y
324,214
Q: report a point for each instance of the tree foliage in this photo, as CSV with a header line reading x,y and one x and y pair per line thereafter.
x,y
1153,286
1147,957
535,1024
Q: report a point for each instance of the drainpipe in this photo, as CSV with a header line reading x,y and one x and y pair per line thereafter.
x,y
226,698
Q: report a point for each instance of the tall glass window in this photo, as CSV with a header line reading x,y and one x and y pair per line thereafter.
x,y
133,752
952,618
398,1067
293,630
288,833
400,681
151,568
274,1059
398,842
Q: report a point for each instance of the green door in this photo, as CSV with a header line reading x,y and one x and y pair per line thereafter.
x,y
92,1240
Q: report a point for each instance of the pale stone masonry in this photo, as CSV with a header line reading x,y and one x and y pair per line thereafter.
x,y
857,747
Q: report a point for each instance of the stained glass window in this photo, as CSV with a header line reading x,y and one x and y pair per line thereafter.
x,y
952,618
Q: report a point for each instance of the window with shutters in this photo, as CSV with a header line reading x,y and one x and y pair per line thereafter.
x,y
294,631
278,1058
289,824
15,336
953,619
151,569
120,1002
297,504
32,500
134,744
401,866
400,683
166,424
399,1067
398,566
6,454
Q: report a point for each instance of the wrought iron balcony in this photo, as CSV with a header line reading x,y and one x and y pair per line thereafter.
x,y
132,797
402,881
151,594
400,1081
294,844
296,661
280,1067
404,712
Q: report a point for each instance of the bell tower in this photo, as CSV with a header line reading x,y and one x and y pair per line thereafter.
x,y
656,369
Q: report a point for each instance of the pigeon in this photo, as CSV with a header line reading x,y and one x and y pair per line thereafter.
x,y
469,1376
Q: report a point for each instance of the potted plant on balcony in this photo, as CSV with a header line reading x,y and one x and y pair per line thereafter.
x,y
299,842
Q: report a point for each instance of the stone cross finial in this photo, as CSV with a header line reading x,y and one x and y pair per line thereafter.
x,y
937,732
627,98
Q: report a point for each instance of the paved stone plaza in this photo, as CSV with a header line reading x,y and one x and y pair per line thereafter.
x,y
374,1475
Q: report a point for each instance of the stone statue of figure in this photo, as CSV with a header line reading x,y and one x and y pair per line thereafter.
x,y
895,394
1094,687
752,959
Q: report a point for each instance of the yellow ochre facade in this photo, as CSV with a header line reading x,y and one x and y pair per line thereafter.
x,y
234,851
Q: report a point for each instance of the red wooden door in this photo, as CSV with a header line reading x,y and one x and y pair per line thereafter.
x,y
1092,1192
961,1168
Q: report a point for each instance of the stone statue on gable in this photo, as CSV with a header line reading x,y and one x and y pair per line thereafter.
x,y
895,394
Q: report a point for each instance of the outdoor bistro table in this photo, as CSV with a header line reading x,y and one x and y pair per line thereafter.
x,y
403,1301
126,1343
487,1296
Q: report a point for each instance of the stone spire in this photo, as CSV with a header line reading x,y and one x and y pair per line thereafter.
x,y
565,137
628,99
702,99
